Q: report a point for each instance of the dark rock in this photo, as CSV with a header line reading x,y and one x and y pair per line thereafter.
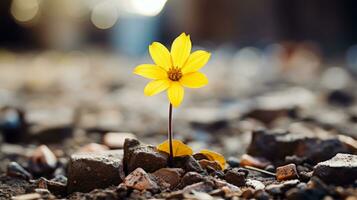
x,y
190,178
235,177
15,170
43,160
286,172
233,162
275,146
144,156
87,171
140,180
188,163
339,170
171,176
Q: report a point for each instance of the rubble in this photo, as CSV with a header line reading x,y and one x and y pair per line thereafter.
x,y
144,156
87,171
339,170
140,180
286,172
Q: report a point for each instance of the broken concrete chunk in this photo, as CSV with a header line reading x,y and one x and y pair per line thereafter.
x,y
339,170
140,180
171,176
188,163
87,171
235,177
147,157
275,146
286,172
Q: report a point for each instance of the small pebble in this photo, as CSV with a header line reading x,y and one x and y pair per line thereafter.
x,y
286,172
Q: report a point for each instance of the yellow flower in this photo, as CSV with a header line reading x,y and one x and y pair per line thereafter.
x,y
175,70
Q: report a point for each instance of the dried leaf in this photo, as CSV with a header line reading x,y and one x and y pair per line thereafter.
x,y
214,156
178,148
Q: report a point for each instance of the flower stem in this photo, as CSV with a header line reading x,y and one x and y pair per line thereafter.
x,y
170,135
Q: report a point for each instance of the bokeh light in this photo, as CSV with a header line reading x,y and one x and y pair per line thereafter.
x,y
25,10
104,15
146,7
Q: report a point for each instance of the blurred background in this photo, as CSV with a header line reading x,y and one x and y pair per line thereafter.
x,y
68,64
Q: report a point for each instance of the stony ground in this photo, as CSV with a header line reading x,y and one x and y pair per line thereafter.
x,y
73,130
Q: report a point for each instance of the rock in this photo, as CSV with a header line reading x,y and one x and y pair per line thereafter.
x,y
190,178
339,170
247,160
15,170
235,177
144,156
87,171
140,180
188,163
43,160
115,140
286,172
56,188
209,165
275,146
277,189
171,176
93,147
257,185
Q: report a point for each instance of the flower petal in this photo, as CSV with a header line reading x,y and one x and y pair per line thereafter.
x,y
196,61
160,55
214,156
194,80
180,50
175,93
178,148
150,71
156,86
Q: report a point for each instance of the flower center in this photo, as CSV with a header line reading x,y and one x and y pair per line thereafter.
x,y
174,73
